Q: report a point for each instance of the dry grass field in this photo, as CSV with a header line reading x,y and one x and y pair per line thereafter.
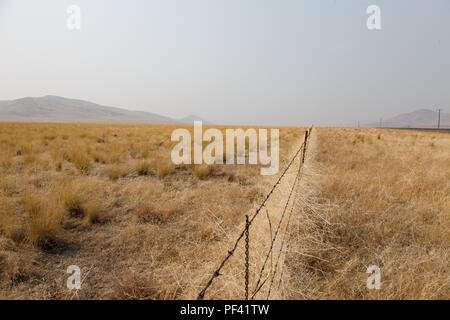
x,y
376,197
108,199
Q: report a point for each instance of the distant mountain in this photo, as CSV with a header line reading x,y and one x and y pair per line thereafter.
x,y
423,118
58,109
191,118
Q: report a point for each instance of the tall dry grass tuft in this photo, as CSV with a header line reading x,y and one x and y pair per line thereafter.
x,y
115,171
11,224
44,219
71,196
81,161
204,171
93,211
163,166
143,168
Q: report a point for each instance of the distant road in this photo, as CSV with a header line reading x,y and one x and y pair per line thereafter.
x,y
425,129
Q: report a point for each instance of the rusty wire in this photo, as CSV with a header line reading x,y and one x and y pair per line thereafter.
x,y
258,285
230,253
289,236
257,289
285,233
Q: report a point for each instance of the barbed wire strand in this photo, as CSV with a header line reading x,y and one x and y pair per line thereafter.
x,y
258,286
230,253
289,235
302,161
284,235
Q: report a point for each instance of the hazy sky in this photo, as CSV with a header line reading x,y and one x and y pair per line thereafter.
x,y
280,62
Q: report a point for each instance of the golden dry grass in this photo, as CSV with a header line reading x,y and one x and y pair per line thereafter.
x,y
374,197
108,199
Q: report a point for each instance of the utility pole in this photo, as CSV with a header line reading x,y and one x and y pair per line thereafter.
x,y
439,118
381,122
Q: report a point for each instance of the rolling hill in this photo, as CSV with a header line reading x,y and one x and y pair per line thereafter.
x,y
423,118
59,109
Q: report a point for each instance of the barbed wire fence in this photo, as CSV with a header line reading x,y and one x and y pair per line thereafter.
x,y
301,154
